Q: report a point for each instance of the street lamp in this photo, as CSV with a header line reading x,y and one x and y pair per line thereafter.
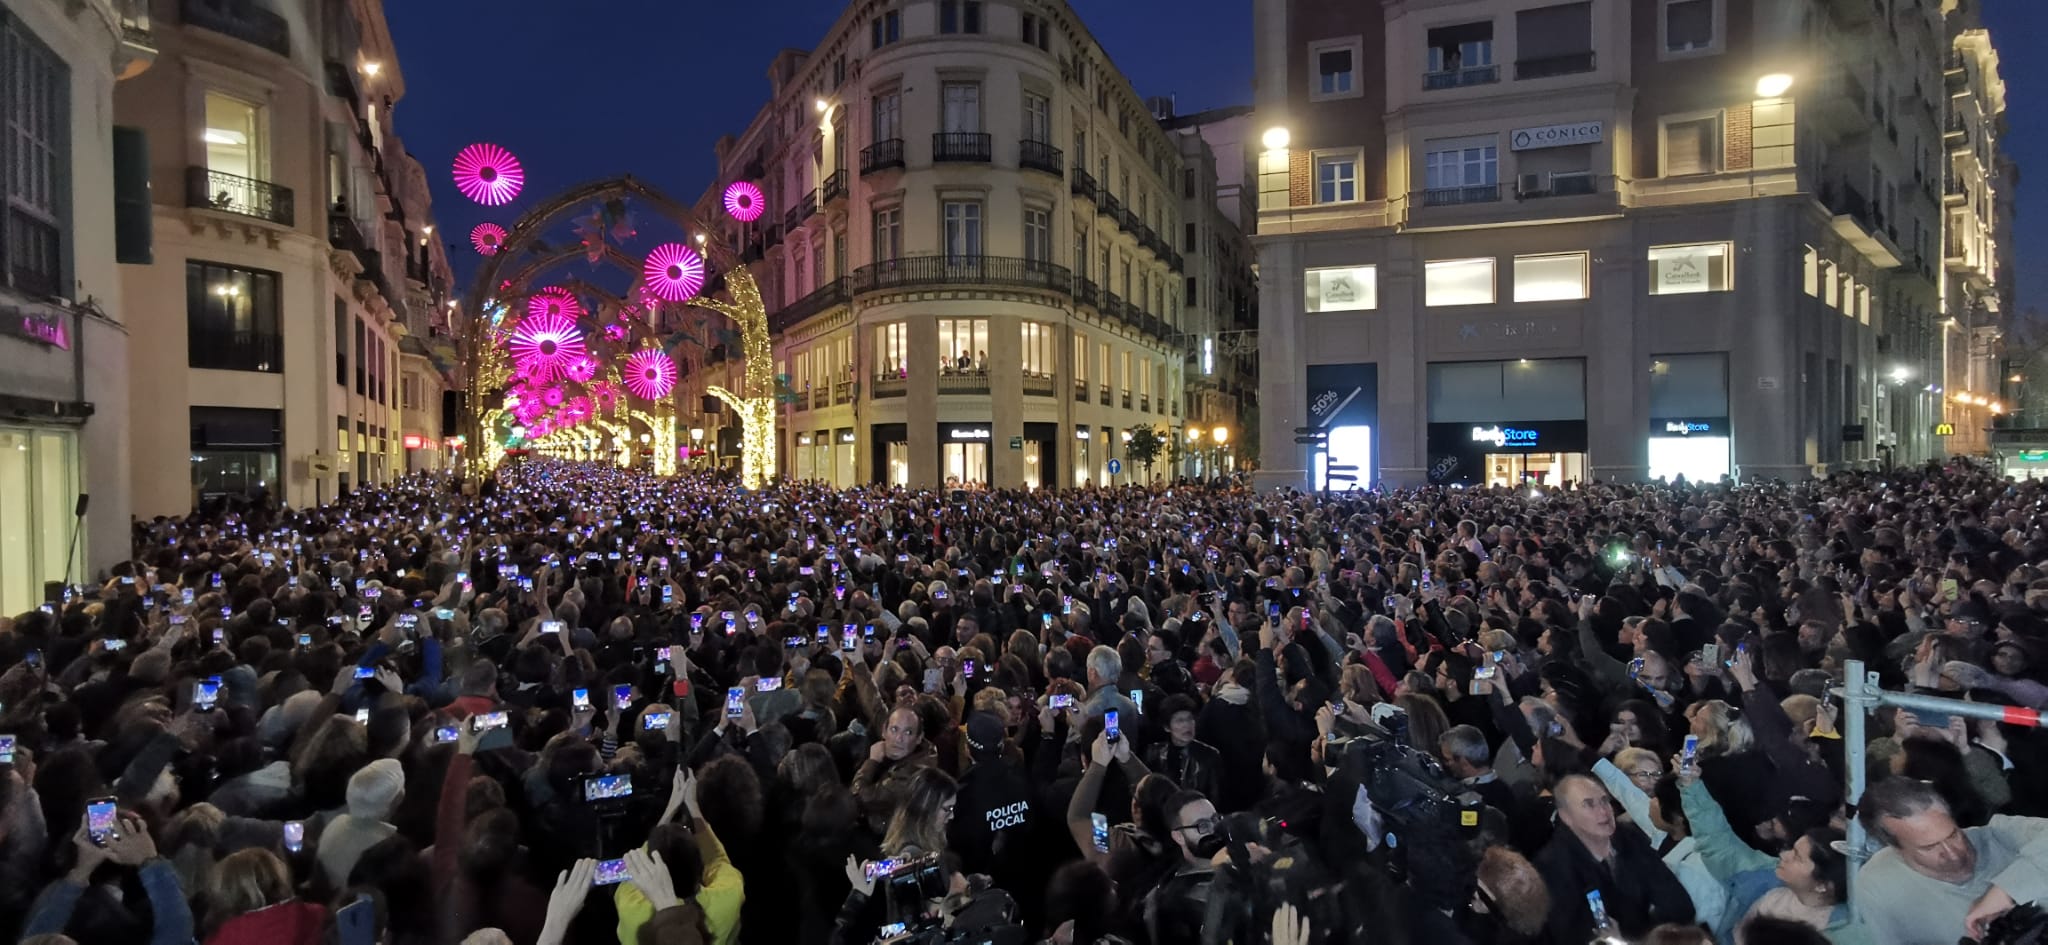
x,y
1276,138
1773,84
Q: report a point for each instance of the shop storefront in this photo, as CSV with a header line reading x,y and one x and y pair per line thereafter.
x,y
1507,423
1343,402
1041,455
964,455
1689,432
1084,442
842,457
39,486
2021,452
1693,447
237,450
889,453
805,457
1512,453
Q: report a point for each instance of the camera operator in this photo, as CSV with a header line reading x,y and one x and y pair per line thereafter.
x,y
1175,908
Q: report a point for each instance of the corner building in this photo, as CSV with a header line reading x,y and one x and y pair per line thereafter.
x,y
279,337
965,254
1511,241
63,328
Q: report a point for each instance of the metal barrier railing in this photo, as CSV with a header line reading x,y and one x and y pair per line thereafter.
x,y
1860,696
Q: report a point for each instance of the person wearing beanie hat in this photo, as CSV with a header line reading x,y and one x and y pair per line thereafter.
x,y
373,793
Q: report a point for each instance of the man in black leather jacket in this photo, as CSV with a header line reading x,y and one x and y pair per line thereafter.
x,y
1191,764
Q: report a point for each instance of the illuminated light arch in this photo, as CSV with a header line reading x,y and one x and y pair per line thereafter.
x,y
753,403
744,201
488,174
488,238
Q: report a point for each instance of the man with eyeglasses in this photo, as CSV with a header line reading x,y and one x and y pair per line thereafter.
x,y
1174,911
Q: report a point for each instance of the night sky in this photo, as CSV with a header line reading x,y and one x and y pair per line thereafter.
x,y
646,86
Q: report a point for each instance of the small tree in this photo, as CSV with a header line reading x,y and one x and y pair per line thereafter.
x,y
1144,448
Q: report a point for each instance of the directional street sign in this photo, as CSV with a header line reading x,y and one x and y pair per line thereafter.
x,y
1116,466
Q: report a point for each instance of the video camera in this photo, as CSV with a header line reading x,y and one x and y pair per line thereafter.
x,y
1425,816
918,910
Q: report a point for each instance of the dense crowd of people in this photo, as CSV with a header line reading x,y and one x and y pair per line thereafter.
x,y
585,705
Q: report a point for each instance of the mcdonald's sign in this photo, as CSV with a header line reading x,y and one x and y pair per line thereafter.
x,y
1944,429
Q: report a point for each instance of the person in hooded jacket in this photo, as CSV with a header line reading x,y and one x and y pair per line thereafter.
x,y
1230,723
996,814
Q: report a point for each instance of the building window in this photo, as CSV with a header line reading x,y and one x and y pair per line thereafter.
x,y
231,318
235,450
962,228
962,107
892,346
1081,361
340,343
963,345
35,147
234,139
1688,25
1037,118
1458,164
1700,267
1554,40
1550,278
1352,289
1459,282
1692,145
886,115
886,29
1039,350
1337,178
1124,379
1037,32
888,236
1461,55
1333,69
1037,235
959,16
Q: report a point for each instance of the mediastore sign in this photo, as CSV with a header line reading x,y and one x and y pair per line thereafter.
x,y
1677,427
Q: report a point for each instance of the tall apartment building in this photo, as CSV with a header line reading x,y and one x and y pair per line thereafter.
x,y
294,259
63,342
1976,288
1219,295
1506,241
966,256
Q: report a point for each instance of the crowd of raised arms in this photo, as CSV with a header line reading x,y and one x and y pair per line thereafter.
x,y
583,705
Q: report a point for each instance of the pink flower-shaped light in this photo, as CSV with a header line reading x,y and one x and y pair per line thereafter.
x,y
555,302
576,411
488,238
582,369
544,344
615,332
674,272
488,174
745,202
554,397
604,395
649,374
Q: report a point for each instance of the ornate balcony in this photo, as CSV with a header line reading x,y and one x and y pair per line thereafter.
x,y
881,155
1040,156
960,270
834,188
970,147
247,196
245,20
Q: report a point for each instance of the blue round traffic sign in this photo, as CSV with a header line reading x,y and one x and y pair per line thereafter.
x,y
1116,466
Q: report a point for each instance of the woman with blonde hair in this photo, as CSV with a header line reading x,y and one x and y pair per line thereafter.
x,y
919,825
248,901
